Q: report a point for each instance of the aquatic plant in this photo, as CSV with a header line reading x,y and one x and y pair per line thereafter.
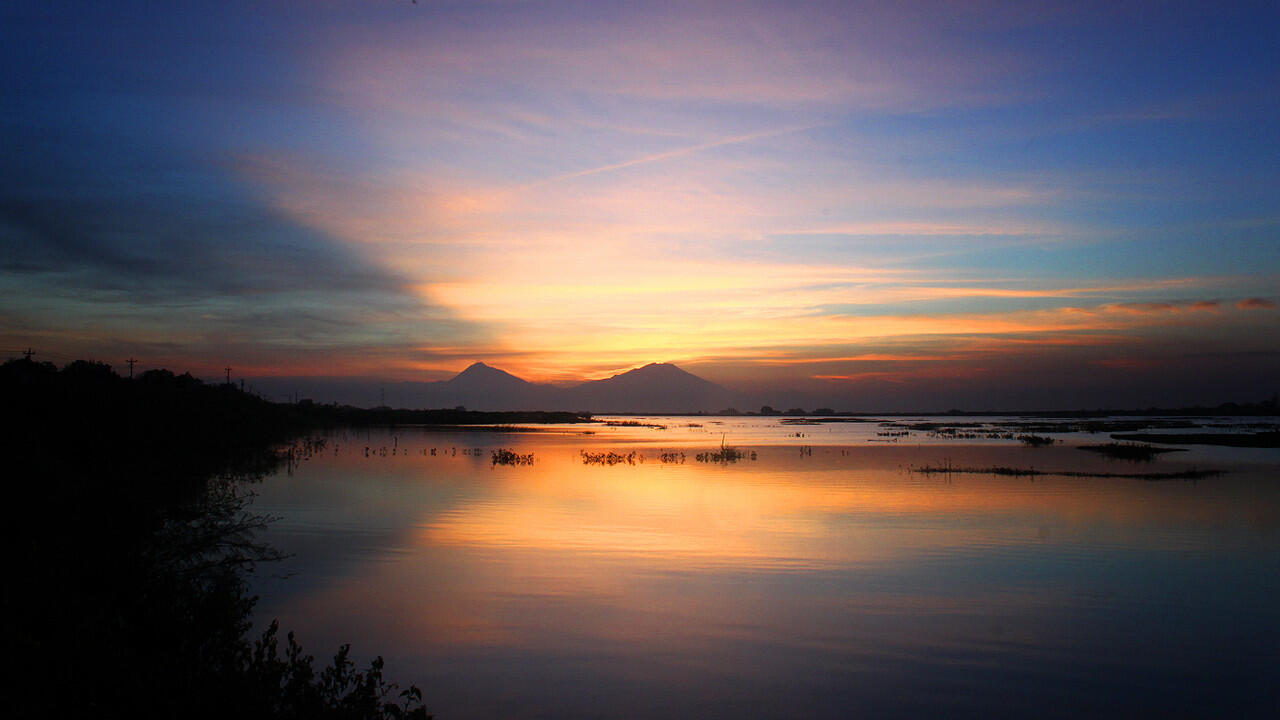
x,y
726,454
723,455
1036,440
503,456
608,458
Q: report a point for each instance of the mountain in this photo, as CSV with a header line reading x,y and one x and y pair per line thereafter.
x,y
654,388
481,387
483,378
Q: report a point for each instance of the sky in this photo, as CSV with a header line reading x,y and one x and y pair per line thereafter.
x,y
863,205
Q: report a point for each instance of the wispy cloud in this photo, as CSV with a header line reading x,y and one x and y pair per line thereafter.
x,y
874,193
669,154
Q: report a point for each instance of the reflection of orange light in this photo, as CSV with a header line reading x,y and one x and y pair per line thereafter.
x,y
747,513
577,537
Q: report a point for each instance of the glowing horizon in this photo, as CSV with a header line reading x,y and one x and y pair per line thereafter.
x,y
864,202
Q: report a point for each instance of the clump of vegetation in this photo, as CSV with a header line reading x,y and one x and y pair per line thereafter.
x,y
1036,440
672,457
609,458
993,470
1130,451
503,456
140,599
948,431
723,455
293,689
1254,440
726,454
634,423
1193,474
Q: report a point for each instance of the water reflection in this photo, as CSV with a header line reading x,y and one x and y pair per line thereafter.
x,y
795,585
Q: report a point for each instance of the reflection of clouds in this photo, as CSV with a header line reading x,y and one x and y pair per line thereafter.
x,y
562,557
768,516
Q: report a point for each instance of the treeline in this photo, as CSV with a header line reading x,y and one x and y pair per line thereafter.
x,y
87,417
1261,408
177,413
130,539
347,416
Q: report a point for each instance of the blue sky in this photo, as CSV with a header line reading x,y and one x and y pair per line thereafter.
x,y
880,203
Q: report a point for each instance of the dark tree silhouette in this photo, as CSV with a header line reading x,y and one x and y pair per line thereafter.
x,y
131,538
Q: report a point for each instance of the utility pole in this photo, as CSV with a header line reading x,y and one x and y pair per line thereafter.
x,y
228,369
131,361
28,353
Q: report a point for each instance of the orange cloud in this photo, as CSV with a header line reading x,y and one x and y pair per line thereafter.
x,y
1144,308
1256,304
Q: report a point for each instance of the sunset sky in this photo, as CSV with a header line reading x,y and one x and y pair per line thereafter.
x,y
983,204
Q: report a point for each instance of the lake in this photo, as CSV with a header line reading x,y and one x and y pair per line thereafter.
x,y
823,576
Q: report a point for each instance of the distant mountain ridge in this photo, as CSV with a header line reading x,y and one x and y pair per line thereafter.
x,y
654,388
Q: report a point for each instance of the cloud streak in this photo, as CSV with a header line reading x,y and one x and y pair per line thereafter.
x,y
90,266
826,194
1256,304
669,154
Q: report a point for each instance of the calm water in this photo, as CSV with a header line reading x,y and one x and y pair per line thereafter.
x,y
821,582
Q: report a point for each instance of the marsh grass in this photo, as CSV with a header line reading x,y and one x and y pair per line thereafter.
x,y
726,454
723,455
1130,451
1193,474
609,458
503,456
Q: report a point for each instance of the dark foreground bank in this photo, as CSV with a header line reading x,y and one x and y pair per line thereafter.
x,y
131,538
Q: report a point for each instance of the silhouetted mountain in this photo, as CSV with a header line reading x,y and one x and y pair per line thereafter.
x,y
481,387
483,378
654,388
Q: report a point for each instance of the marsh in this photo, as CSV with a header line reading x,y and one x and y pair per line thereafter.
x,y
825,578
